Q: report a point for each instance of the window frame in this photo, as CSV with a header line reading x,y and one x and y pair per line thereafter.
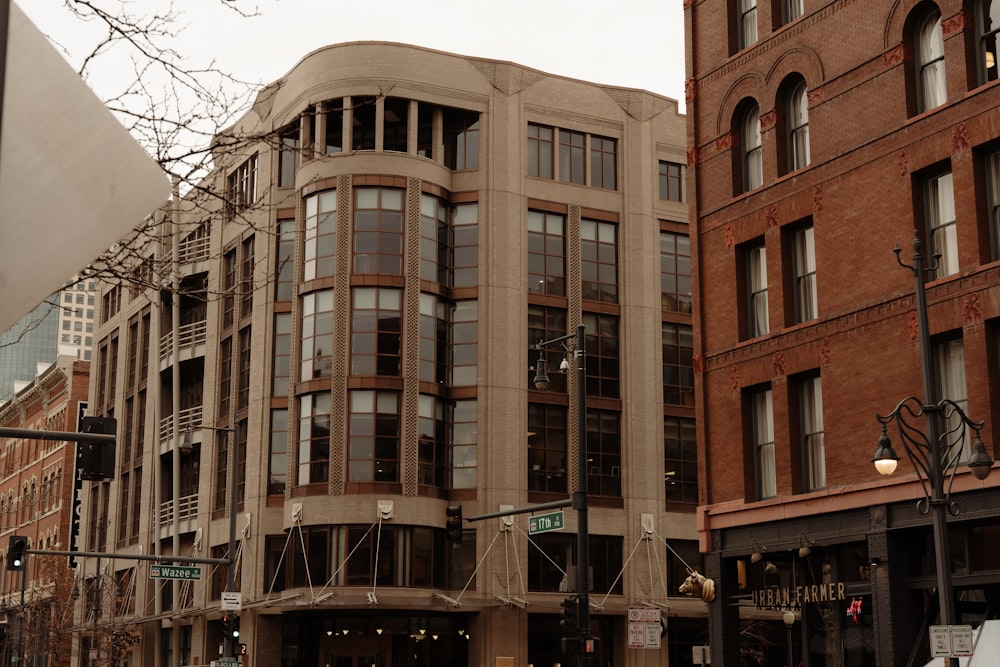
x,y
746,21
751,149
929,62
804,273
797,126
940,222
757,310
762,440
986,39
811,433
543,242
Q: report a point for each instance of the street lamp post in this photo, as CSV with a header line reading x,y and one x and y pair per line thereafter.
x,y
937,453
789,618
541,381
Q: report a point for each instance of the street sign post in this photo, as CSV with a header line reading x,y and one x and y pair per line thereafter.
x,y
951,641
543,523
174,572
644,627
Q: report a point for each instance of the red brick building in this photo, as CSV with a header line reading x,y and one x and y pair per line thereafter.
x,y
36,501
822,133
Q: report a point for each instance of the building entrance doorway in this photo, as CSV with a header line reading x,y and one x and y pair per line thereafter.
x,y
358,652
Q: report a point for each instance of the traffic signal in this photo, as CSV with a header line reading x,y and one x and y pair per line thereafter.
x,y
453,524
235,627
17,553
96,460
227,626
570,616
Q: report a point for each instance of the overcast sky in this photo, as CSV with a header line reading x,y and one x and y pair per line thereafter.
x,y
633,43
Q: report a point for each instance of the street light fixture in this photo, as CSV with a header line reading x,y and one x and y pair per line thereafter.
x,y
541,382
789,618
936,453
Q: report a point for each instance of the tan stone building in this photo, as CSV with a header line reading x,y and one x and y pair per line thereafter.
x,y
394,230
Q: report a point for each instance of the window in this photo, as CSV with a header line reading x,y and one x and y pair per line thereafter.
x,y
604,453
988,25
314,438
992,168
949,372
432,442
363,123
433,239
433,339
463,263
941,232
229,266
373,447
246,277
811,433
378,231
241,186
551,565
396,112
572,157
546,253
316,335
284,260
547,448
334,128
540,147
376,331
680,460
277,470
756,281
464,344
747,22
671,181
225,375
797,120
678,364
603,162
753,170
601,341
545,324
762,421
243,377
675,272
790,10
462,426
599,260
931,91
461,132
288,158
319,243
804,265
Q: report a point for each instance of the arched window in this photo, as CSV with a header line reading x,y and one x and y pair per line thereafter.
x,y
753,170
931,91
797,126
988,22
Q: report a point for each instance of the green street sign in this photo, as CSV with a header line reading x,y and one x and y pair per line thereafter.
x,y
174,572
543,523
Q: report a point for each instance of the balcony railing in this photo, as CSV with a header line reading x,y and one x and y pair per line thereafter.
x,y
188,336
185,511
188,420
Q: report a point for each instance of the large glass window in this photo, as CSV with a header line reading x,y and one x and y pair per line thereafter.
x,y
753,170
464,245
433,239
334,127
225,375
603,354
376,330
432,442
941,232
604,453
747,22
675,272
394,129
671,181
603,162
811,433
373,446
572,157
678,364
931,90
314,438
319,243
540,150
463,435
988,24
547,448
762,419
804,262
545,324
277,467
461,131
464,344
433,339
797,119
756,280
551,567
599,260
680,460
316,335
241,186
284,269
288,158
229,272
282,361
378,231
363,123
546,253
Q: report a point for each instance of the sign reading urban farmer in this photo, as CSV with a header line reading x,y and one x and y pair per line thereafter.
x,y
793,598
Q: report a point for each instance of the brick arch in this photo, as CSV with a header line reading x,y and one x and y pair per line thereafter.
x,y
751,85
802,61
898,24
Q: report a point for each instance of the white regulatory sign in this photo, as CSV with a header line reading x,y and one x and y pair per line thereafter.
x,y
232,601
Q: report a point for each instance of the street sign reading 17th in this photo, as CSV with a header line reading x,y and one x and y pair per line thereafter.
x,y
174,572
543,523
